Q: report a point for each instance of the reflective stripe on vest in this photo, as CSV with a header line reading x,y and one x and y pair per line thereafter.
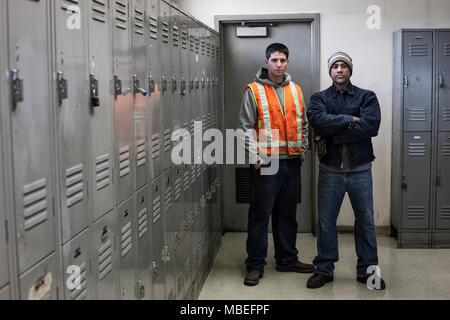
x,y
288,142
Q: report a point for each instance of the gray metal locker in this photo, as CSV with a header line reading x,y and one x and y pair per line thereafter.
x,y
169,246
123,95
31,129
144,247
77,268
185,75
127,248
140,90
416,180
39,283
99,63
443,79
104,258
71,104
186,235
178,213
5,293
155,113
165,47
158,230
175,27
4,269
418,80
443,182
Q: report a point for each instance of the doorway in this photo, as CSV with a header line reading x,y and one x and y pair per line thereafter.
x,y
243,53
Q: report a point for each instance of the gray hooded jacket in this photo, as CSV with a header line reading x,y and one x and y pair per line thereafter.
x,y
248,115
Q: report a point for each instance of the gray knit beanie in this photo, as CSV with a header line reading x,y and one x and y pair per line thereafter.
x,y
340,56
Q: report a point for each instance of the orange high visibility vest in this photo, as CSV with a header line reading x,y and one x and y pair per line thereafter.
x,y
278,132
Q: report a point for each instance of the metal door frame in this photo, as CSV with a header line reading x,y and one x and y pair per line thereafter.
x,y
314,20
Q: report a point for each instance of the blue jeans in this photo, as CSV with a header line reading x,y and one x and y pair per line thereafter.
x,y
331,191
277,195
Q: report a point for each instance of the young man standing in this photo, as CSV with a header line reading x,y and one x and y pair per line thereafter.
x,y
272,108
347,117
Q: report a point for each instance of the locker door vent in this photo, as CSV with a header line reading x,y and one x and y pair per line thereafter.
x,y
184,37
176,35
193,173
446,149
213,51
141,152
208,49
197,45
81,293
168,199
121,14
192,43
74,185
105,259
178,189
156,209
446,49
139,21
35,204
445,212
126,238
165,31
415,212
153,23
167,141
124,161
416,149
418,50
217,52
143,223
66,3
99,10
103,172
446,114
186,181
156,146
417,114
203,46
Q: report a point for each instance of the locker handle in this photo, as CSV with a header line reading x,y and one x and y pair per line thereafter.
x,y
404,184
174,84
183,86
191,84
151,85
405,81
62,87
163,83
137,87
16,89
117,86
197,83
441,81
438,178
93,83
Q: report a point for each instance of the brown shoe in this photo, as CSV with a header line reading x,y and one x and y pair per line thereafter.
x,y
297,266
252,277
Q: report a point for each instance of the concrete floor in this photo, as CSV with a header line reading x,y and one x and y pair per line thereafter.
x,y
408,273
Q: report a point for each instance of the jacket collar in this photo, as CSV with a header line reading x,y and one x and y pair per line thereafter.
x,y
334,91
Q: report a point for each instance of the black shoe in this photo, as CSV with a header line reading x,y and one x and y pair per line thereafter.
x,y
363,279
318,280
297,266
252,277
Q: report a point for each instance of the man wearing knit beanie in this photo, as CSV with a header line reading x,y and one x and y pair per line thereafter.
x,y
346,117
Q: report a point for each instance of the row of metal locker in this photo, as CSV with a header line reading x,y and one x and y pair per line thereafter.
x,y
92,95
420,203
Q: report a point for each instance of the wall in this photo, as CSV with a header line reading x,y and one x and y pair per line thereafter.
x,y
343,27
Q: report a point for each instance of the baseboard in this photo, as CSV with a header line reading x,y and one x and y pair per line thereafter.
x,y
380,231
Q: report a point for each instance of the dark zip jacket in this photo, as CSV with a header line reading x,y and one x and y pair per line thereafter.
x,y
331,115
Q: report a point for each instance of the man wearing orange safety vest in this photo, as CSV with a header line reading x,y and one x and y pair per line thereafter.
x,y
273,110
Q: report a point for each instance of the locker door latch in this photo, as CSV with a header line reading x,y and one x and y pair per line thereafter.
x,y
93,85
165,254
62,87
16,88
405,81
197,83
438,178
137,87
191,84
140,290
183,86
151,85
203,83
404,184
163,83
155,268
441,81
208,83
174,84
117,86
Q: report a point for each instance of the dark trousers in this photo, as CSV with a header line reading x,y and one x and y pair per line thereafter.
x,y
277,195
